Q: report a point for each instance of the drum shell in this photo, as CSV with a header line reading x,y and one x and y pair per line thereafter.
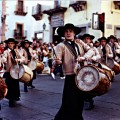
x,y
3,89
113,65
109,72
101,87
24,73
40,66
27,76
116,68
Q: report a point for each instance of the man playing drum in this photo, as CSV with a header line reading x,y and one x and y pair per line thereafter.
x,y
67,54
104,49
88,39
26,46
10,57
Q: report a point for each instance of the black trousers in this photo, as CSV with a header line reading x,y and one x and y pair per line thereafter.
x,y
13,87
72,101
59,69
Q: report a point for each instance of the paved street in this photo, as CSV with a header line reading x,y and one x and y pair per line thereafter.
x,y
43,102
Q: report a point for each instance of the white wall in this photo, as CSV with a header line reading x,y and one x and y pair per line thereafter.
x,y
82,18
30,24
112,17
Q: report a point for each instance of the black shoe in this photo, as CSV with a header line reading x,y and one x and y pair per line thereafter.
x,y
1,119
32,86
11,103
25,90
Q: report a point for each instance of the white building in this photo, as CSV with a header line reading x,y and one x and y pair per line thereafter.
x,y
25,18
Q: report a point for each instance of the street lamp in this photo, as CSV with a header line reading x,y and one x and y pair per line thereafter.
x,y
44,26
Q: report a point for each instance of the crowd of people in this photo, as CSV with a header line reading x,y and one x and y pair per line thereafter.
x,y
63,57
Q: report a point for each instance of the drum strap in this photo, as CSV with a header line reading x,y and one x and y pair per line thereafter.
x,y
72,50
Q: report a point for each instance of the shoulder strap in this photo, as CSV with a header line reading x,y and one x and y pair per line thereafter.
x,y
70,49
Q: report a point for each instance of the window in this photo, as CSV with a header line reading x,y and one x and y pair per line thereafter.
x,y
20,5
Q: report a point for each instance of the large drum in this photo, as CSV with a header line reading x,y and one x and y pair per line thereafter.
x,y
40,66
21,72
3,89
32,64
109,72
113,65
93,80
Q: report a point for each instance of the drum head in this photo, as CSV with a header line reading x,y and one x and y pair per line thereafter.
x,y
110,63
32,64
87,78
17,71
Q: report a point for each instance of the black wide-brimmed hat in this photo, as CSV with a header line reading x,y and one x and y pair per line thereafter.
x,y
61,30
103,38
112,37
11,40
25,41
96,42
87,35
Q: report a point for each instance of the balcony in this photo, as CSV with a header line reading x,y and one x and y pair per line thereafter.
x,y
59,7
36,12
20,35
79,6
21,11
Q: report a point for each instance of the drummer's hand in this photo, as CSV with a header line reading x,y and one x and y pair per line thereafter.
x,y
17,60
80,59
89,59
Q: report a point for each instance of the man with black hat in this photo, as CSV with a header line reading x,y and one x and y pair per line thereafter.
x,y
67,54
112,41
26,46
104,49
88,39
10,57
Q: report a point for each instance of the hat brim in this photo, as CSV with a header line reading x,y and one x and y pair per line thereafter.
x,y
61,30
87,35
112,37
100,39
7,41
23,43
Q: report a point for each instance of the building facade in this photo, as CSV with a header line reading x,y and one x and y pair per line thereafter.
x,y
39,19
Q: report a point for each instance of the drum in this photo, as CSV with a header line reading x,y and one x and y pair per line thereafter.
x,y
32,64
21,72
109,72
93,80
3,89
40,66
113,65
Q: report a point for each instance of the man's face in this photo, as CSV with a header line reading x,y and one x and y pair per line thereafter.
x,y
69,34
27,45
11,45
112,40
103,42
87,40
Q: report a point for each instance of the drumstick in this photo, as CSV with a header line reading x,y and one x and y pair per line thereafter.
x,y
106,59
54,52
